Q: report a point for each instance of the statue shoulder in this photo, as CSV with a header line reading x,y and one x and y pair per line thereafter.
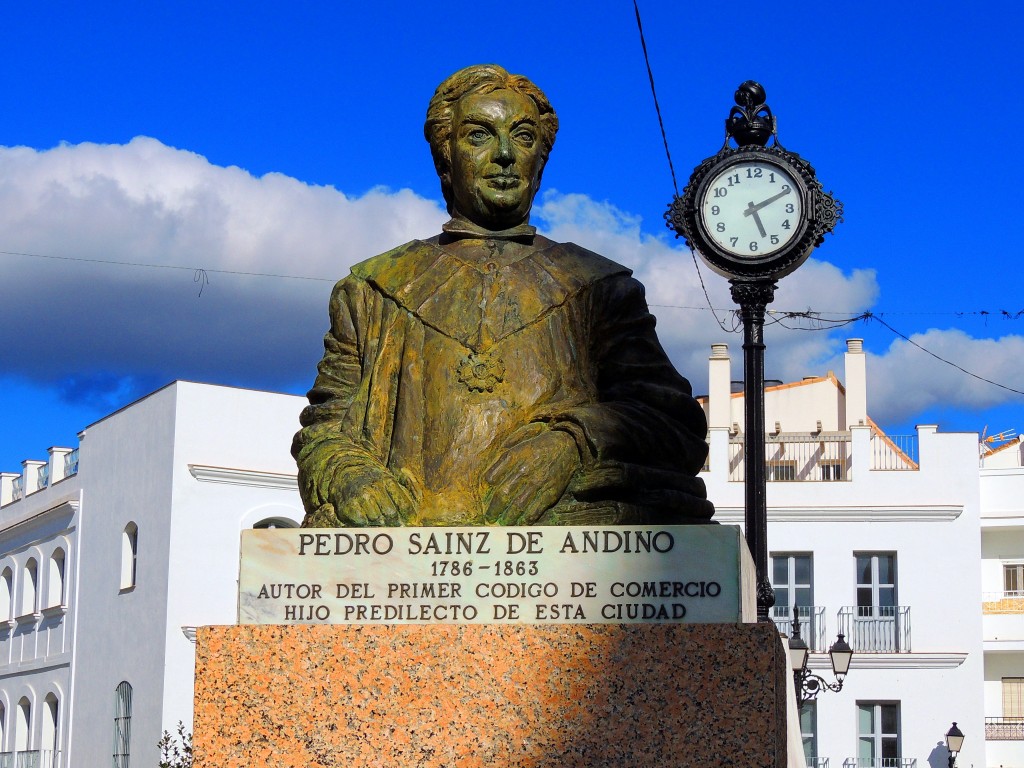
x,y
406,260
573,263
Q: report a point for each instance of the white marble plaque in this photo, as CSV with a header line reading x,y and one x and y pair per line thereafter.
x,y
488,575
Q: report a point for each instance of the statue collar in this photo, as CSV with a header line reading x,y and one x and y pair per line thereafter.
x,y
459,228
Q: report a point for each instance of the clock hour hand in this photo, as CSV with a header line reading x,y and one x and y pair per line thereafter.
x,y
752,211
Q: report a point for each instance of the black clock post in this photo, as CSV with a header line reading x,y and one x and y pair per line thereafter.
x,y
754,212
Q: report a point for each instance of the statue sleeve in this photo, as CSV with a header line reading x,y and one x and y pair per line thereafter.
x,y
328,446
644,417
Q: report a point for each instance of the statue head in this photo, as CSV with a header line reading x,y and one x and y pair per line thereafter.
x,y
490,134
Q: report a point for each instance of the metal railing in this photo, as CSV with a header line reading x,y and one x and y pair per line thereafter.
x,y
43,477
798,457
880,762
33,758
812,624
817,762
1004,729
893,452
18,488
71,463
876,629
1002,602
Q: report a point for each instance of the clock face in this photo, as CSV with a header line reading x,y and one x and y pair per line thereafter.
x,y
752,209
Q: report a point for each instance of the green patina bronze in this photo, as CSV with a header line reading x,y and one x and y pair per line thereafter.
x,y
489,375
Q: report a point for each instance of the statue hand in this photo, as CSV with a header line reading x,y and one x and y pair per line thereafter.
x,y
529,477
371,496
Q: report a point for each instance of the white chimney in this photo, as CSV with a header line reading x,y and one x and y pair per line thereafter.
x,y
856,383
719,393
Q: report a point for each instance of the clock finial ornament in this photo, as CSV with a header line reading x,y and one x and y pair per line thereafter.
x,y
751,121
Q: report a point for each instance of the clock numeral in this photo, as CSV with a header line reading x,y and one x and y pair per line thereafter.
x,y
715,210
785,187
733,241
753,245
785,224
721,191
771,178
734,179
720,227
755,173
775,239
790,208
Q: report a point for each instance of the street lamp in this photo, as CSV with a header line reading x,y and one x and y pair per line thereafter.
x,y
954,741
809,685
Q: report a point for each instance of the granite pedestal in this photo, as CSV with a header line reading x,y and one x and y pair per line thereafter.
x,y
501,695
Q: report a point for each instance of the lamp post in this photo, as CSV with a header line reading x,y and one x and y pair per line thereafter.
x,y
954,741
754,212
809,685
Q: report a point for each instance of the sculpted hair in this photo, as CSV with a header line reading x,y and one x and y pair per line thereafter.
x,y
480,78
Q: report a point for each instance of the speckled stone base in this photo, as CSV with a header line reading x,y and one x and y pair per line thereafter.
x,y
529,696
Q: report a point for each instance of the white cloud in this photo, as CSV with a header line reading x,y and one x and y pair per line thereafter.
x,y
686,326
906,380
91,326
94,329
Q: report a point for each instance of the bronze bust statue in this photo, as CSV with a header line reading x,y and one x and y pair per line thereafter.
x,y
489,375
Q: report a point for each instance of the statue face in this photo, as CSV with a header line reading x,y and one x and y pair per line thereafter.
x,y
496,158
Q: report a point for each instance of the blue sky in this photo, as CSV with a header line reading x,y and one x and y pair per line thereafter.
x,y
287,140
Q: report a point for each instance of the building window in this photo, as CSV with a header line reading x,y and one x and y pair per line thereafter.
x,y
3,726
30,582
809,730
6,594
1013,698
781,471
876,585
51,720
275,522
23,726
791,578
122,724
55,582
878,733
831,469
129,555
1013,579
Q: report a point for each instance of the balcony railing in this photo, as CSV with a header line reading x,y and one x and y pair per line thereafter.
x,y
893,452
812,624
876,629
34,758
17,492
1002,602
817,762
880,762
1004,729
798,457
43,477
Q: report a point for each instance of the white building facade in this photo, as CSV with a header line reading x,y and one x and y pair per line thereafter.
x,y
109,554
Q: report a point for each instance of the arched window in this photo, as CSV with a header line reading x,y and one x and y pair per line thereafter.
x,y
30,581
122,724
6,592
50,734
22,728
55,582
129,555
275,522
3,727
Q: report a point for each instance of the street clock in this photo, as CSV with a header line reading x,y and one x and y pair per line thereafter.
x,y
753,211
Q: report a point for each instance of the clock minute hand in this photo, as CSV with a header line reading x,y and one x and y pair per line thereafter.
x,y
753,209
